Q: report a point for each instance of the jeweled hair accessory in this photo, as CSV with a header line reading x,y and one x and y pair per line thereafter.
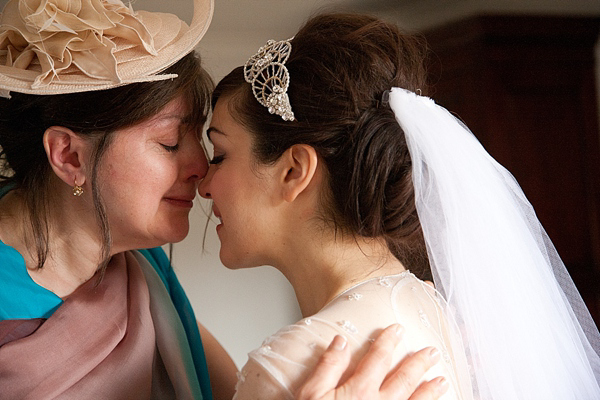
x,y
269,77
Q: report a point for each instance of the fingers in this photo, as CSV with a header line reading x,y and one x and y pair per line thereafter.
x,y
328,371
370,379
376,364
373,368
431,390
409,374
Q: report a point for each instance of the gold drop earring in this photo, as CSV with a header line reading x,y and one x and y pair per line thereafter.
x,y
77,190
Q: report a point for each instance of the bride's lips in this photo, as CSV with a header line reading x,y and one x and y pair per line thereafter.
x,y
218,215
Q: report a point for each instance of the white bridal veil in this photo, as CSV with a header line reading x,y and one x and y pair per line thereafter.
x,y
527,333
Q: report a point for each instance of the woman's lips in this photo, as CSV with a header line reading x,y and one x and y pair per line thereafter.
x,y
180,202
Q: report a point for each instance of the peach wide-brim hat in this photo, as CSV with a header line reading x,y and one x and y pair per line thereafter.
x,y
67,46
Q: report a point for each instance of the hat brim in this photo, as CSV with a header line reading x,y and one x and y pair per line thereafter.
x,y
174,36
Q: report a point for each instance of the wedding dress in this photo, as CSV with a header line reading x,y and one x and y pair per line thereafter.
x,y
284,361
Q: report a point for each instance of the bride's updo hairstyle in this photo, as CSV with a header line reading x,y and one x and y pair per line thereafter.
x,y
340,66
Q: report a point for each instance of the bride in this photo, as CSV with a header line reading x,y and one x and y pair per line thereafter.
x,y
330,166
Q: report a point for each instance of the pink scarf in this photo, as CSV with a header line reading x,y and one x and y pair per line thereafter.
x,y
100,344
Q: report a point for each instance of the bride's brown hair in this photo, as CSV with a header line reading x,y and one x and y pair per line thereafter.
x,y
340,66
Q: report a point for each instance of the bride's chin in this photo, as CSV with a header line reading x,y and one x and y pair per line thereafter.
x,y
232,262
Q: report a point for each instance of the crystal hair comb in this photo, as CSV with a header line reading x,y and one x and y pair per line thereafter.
x,y
269,77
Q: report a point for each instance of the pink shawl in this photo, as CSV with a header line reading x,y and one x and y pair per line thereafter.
x,y
101,343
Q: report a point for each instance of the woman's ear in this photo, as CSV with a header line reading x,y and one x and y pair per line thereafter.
x,y
299,167
66,154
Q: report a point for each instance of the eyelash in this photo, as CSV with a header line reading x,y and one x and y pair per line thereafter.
x,y
171,149
217,160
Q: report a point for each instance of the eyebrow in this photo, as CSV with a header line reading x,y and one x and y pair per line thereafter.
x,y
211,130
183,119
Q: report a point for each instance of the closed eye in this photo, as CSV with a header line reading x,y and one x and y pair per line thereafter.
x,y
217,159
171,149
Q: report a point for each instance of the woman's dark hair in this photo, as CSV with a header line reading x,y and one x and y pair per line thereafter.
x,y
339,67
95,116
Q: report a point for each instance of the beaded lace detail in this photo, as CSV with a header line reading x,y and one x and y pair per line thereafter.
x,y
360,313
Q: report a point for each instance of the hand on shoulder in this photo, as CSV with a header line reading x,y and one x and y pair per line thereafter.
x,y
371,379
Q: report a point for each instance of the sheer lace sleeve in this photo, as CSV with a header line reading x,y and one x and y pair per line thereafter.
x,y
255,382
284,361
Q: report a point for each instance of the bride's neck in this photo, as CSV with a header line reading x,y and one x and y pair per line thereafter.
x,y
322,266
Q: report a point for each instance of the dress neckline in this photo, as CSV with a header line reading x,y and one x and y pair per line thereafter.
x,y
22,270
381,278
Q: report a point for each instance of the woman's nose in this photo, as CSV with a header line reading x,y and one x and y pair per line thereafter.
x,y
202,166
203,187
196,162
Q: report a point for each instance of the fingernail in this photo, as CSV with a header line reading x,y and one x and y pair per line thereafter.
x,y
399,330
442,384
339,343
434,354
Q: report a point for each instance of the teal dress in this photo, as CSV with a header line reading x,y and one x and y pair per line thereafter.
x,y
22,298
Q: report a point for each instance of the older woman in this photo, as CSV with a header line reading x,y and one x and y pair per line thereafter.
x,y
100,119
84,112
